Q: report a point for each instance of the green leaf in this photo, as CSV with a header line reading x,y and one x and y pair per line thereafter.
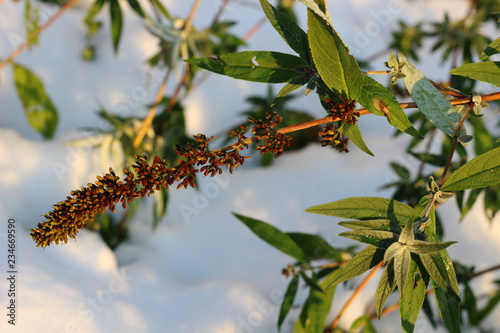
x,y
162,9
436,267
396,249
368,328
293,85
315,247
376,98
471,200
338,69
363,208
400,170
318,7
378,238
386,225
310,282
481,171
134,4
256,66
412,299
385,287
293,35
360,263
273,236
354,134
488,71
422,247
115,13
436,108
407,237
160,206
449,308
288,299
313,315
401,268
491,49
40,111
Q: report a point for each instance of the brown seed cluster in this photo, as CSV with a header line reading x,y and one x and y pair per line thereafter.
x,y
344,110
70,215
333,137
273,141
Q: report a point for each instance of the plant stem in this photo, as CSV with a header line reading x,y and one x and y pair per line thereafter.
x,y
149,118
356,292
254,29
44,26
375,72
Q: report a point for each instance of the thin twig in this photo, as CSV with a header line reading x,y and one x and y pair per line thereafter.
x,y
149,118
44,26
484,271
375,72
254,29
356,292
453,145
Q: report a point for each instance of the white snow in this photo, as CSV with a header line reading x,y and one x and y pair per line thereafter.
x,y
202,270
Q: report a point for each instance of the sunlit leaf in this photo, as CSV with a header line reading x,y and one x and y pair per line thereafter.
x,y
481,171
354,134
40,111
488,71
338,69
366,208
491,49
385,287
256,66
378,100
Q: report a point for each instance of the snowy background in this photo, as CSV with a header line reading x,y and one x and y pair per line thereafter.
x,y
205,272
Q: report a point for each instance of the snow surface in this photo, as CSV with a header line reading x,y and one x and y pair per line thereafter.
x,y
203,271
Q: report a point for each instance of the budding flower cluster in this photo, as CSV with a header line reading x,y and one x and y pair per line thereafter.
x,y
273,140
333,137
344,110
70,215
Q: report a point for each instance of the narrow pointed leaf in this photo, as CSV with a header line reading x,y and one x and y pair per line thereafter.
x,y
338,69
273,236
288,299
385,287
256,66
386,225
115,13
40,111
491,49
314,312
422,247
310,282
437,269
481,171
407,236
412,300
401,268
449,308
354,134
436,108
363,208
378,238
315,247
293,35
488,71
375,97
319,8
360,263
396,249
293,85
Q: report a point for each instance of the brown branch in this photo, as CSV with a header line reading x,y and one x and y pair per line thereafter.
x,y
375,72
149,118
356,292
44,26
254,29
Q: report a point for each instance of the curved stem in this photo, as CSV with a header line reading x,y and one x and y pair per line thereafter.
x,y
356,292
44,26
